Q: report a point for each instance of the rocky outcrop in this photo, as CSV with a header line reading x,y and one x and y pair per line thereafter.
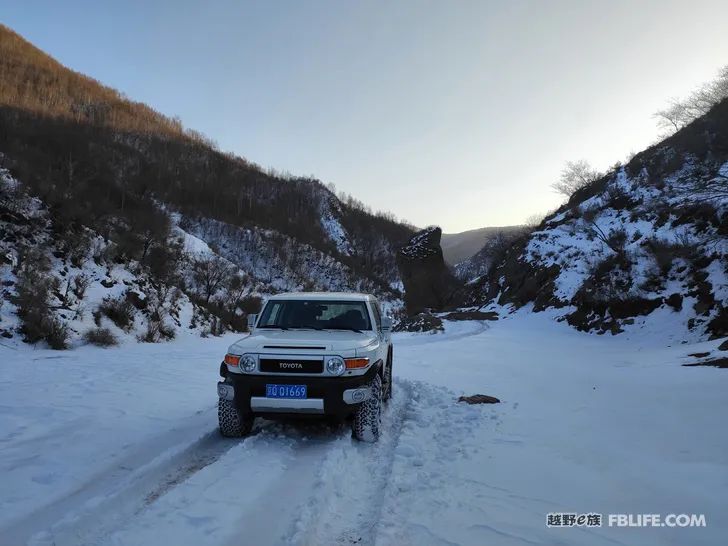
x,y
427,281
421,322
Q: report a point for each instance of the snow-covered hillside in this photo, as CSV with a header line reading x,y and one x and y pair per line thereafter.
x,y
280,262
64,284
119,446
57,288
644,243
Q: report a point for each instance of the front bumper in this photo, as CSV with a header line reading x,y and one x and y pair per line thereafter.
x,y
338,396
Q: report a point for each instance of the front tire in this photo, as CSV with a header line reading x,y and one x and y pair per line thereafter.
x,y
368,417
232,423
388,381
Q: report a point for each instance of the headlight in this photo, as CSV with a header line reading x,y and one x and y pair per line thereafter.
x,y
335,365
248,363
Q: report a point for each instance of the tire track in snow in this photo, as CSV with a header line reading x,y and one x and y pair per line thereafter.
x,y
479,327
288,495
436,438
346,501
122,490
363,492
330,482
201,454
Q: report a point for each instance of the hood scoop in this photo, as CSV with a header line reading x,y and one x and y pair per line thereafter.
x,y
311,347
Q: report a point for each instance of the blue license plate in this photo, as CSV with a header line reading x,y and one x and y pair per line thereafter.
x,y
285,391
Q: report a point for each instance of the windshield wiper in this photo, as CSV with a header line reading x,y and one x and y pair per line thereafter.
x,y
346,328
274,326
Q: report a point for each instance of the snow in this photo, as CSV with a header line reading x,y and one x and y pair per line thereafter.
x,y
573,240
119,446
192,244
102,278
276,262
332,227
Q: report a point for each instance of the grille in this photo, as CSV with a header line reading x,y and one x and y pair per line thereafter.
x,y
291,365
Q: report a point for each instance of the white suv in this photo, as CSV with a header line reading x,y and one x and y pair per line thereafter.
x,y
324,353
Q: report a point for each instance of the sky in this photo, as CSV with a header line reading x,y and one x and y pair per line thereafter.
x,y
454,113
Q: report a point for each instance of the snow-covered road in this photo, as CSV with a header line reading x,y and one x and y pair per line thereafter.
x,y
119,446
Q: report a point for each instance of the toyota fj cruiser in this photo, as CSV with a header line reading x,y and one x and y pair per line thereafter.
x,y
309,353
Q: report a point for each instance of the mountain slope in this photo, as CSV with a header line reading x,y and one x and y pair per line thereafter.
x,y
101,157
115,170
457,247
645,246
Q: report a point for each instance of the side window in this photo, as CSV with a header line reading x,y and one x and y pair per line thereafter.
x,y
270,314
377,315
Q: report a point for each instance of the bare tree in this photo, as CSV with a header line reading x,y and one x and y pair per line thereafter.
x,y
210,273
574,176
673,118
236,287
681,112
533,222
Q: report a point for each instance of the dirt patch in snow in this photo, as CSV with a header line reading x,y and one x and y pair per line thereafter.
x,y
479,399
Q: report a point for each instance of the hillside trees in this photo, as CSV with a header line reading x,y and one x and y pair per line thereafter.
x,y
35,288
102,161
680,112
575,176
211,273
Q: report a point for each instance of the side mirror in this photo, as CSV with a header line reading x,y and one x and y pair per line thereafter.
x,y
252,319
386,324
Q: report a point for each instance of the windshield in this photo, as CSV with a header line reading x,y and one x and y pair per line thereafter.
x,y
315,314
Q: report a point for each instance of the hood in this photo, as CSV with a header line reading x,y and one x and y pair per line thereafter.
x,y
296,340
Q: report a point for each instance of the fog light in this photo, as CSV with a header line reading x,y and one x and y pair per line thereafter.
x,y
248,363
225,391
357,396
335,365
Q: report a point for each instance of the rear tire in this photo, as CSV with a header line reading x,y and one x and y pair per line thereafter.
x,y
367,419
232,423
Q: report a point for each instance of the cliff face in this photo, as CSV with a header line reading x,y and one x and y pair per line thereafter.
x,y
427,281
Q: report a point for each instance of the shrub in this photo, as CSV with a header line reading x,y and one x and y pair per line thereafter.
x,y
617,239
665,252
57,334
119,310
101,337
718,326
80,285
34,288
156,331
251,304
619,199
